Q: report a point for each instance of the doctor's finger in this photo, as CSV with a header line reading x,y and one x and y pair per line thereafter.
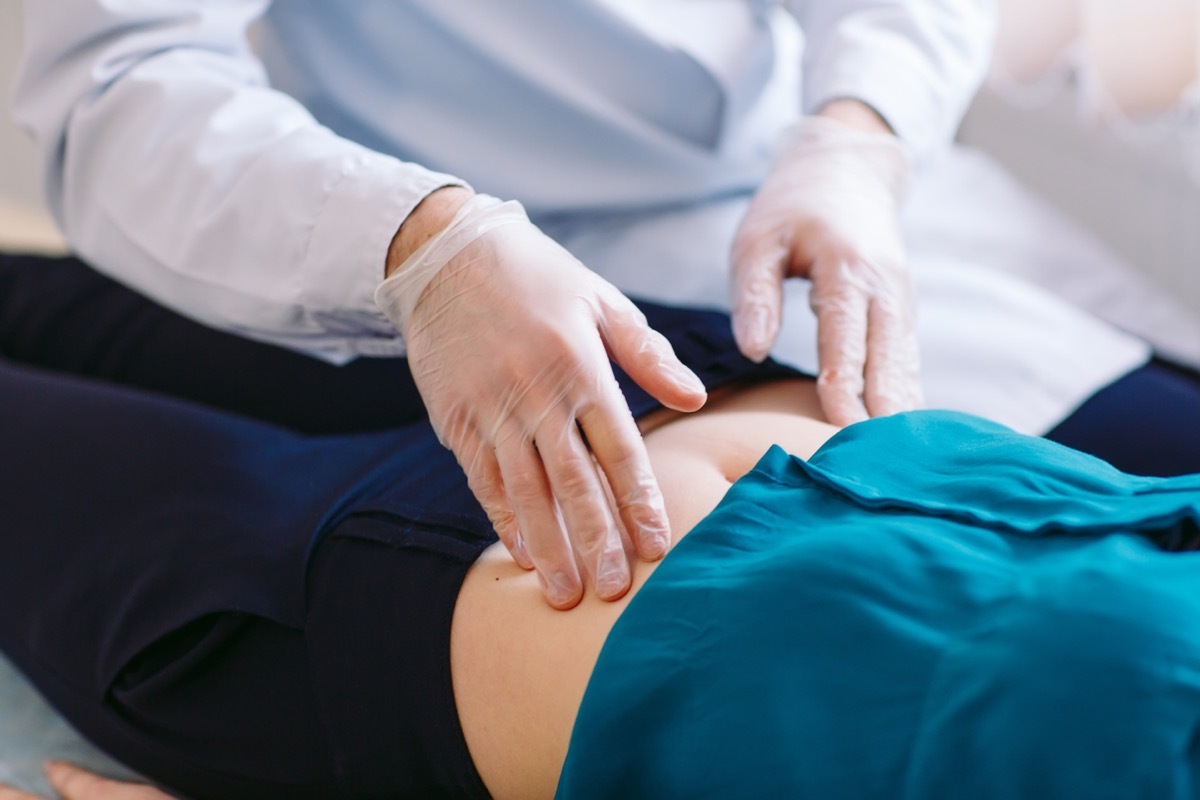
x,y
617,443
591,526
486,483
893,380
759,269
541,528
646,355
841,351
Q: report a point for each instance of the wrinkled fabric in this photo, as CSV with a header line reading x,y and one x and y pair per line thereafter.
x,y
932,606
140,529
257,190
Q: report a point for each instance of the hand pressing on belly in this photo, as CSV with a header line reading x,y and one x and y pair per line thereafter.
x,y
73,783
509,339
829,212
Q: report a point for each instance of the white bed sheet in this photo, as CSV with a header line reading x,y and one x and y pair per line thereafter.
x,y
1008,228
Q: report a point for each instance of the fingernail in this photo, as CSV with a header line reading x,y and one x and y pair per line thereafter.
x,y
522,553
648,522
611,585
562,590
751,332
850,416
655,541
687,379
613,575
678,372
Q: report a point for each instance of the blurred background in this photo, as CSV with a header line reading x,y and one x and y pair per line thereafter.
x,y
23,224
1095,106
1092,104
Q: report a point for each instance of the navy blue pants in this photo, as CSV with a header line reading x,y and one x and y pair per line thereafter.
x,y
1146,423
60,314
232,607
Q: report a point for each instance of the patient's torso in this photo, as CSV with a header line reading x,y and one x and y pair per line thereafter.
x,y
520,668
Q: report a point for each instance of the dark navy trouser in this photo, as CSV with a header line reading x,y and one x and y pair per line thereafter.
x,y
60,314
231,607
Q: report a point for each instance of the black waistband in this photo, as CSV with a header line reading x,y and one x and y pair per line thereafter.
x,y
703,340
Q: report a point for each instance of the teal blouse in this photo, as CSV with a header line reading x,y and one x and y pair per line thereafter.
x,y
932,606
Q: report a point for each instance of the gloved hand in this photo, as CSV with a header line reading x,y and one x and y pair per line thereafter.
x,y
828,211
508,340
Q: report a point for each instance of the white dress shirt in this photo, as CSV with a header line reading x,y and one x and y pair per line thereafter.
x,y
259,192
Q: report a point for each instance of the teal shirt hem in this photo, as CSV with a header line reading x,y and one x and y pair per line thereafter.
x,y
930,606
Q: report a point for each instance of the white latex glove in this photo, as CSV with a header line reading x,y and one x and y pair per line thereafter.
x,y
828,211
509,339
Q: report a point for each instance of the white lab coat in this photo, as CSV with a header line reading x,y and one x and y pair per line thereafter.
x,y
260,195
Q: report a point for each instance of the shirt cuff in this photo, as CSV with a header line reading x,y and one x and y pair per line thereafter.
x,y
919,71
919,116
347,250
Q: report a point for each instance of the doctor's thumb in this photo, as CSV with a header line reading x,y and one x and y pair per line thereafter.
x,y
648,358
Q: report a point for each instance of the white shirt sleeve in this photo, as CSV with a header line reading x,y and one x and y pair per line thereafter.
x,y
171,165
916,62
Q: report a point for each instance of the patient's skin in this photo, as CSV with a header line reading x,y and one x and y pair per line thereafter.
x,y
520,667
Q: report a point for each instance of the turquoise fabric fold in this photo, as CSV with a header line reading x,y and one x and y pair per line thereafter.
x,y
932,606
